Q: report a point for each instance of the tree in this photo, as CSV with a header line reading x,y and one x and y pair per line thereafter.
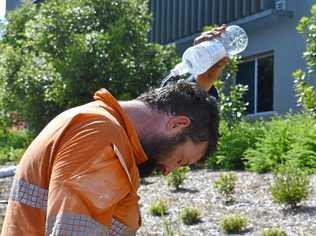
x,y
56,54
303,84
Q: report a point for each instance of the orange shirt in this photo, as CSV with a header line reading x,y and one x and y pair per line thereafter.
x,y
79,176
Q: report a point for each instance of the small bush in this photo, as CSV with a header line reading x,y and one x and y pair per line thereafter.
x,y
12,142
285,139
235,140
190,216
233,223
10,154
177,177
273,232
225,185
168,229
291,185
158,208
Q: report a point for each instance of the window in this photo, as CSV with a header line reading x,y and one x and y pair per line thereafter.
x,y
257,73
2,9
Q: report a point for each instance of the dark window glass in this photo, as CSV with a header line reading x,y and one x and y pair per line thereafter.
x,y
245,76
265,84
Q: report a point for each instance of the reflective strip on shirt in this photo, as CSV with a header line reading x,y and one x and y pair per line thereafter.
x,y
65,223
118,228
29,194
74,224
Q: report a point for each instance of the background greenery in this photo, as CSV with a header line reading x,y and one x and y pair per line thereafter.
x,y
56,55
304,81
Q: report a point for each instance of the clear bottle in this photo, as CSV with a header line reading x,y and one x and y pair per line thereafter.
x,y
199,58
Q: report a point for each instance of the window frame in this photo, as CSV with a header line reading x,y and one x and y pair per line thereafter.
x,y
255,58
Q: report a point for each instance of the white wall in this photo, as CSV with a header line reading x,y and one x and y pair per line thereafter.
x,y
2,9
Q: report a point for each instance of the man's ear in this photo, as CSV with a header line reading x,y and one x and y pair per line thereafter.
x,y
177,123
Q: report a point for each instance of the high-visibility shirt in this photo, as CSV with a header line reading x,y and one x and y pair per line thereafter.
x,y
79,176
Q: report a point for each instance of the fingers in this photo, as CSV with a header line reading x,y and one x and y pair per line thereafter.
x,y
209,35
215,71
220,64
223,61
216,31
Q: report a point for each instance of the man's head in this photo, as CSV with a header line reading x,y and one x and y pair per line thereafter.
x,y
187,127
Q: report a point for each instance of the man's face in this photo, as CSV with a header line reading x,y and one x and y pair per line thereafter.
x,y
167,153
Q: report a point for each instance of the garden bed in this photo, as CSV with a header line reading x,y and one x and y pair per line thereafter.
x,y
252,200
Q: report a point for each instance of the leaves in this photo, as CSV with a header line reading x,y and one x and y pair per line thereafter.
x,y
303,85
57,54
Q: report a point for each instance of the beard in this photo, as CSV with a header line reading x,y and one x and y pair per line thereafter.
x,y
157,148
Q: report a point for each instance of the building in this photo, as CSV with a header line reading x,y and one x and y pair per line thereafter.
x,y
9,4
274,51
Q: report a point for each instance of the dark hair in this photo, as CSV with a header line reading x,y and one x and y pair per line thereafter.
x,y
187,98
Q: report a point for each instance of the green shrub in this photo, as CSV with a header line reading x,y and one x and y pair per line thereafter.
x,y
291,185
168,229
57,54
158,208
225,185
177,177
190,216
281,139
233,143
272,232
12,143
233,223
10,154
303,150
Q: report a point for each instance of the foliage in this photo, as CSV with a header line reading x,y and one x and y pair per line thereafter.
x,y
168,229
291,185
177,177
231,103
234,141
158,208
304,89
289,138
190,216
12,142
273,232
55,55
305,92
225,185
233,223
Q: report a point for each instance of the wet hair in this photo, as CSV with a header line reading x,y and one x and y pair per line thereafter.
x,y
188,99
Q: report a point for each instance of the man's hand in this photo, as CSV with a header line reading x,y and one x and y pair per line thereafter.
x,y
209,35
207,79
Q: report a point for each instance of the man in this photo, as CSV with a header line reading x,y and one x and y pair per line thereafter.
x,y
81,173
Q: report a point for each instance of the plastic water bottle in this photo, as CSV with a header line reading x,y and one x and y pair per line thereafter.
x,y
199,58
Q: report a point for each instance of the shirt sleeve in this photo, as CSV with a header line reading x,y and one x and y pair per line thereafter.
x,y
87,180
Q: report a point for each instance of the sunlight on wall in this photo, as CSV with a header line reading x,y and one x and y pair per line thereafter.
x,y
2,9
